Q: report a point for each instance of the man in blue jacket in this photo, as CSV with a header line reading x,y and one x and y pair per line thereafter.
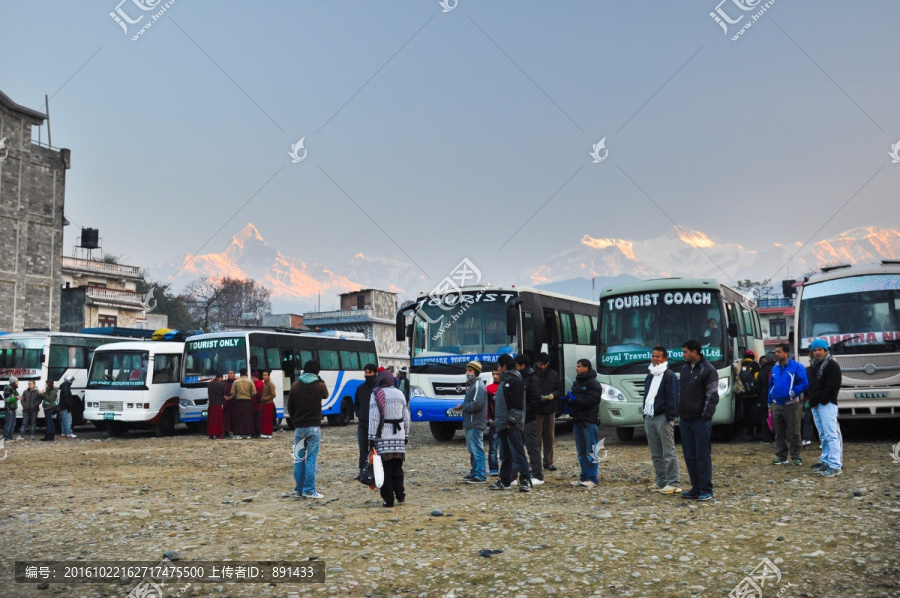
x,y
699,395
786,384
660,411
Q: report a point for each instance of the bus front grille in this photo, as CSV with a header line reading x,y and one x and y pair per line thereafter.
x,y
110,405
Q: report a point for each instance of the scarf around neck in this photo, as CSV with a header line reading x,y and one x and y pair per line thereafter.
x,y
657,371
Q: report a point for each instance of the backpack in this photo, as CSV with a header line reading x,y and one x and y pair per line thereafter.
x,y
747,381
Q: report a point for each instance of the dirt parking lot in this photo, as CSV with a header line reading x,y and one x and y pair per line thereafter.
x,y
134,498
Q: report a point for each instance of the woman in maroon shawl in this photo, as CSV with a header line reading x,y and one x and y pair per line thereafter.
x,y
255,402
215,419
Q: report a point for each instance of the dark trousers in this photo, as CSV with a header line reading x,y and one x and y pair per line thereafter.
x,y
533,448
546,429
809,431
787,429
697,448
48,419
512,456
362,441
226,416
493,448
393,481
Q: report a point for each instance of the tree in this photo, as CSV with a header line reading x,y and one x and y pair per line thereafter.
x,y
177,307
217,304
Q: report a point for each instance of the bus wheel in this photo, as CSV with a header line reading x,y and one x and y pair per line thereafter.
x,y
443,431
625,434
346,411
166,424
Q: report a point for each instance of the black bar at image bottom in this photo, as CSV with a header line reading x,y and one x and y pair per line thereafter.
x,y
164,572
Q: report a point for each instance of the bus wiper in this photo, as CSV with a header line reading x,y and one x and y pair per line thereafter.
x,y
628,365
847,340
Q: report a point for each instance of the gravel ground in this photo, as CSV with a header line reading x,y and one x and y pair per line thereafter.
x,y
136,497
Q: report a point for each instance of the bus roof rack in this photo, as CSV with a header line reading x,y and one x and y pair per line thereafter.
x,y
827,269
119,331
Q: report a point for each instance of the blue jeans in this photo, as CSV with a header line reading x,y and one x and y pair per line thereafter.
x,y
306,451
475,446
65,422
9,423
825,417
493,448
697,447
29,423
585,440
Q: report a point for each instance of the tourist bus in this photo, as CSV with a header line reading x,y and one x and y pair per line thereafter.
x,y
134,385
341,356
477,323
41,356
637,316
856,309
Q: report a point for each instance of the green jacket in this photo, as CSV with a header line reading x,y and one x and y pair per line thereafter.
x,y
11,397
50,399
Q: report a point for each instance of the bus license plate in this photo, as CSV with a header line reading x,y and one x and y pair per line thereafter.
x,y
454,413
109,416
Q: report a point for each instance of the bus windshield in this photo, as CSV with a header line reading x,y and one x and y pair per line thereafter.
x,y
21,358
859,314
475,330
631,325
119,369
203,358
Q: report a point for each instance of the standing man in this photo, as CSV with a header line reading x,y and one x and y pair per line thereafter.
x,y
509,406
493,439
66,399
699,395
766,363
267,407
787,383
229,403
586,414
10,404
660,410
474,408
305,410
241,412
362,399
532,407
749,385
824,384
49,404
256,403
550,390
404,382
31,404
215,390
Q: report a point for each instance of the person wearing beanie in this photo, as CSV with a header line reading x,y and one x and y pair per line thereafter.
x,y
474,409
824,385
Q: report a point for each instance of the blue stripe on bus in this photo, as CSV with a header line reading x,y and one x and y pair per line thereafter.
x,y
336,391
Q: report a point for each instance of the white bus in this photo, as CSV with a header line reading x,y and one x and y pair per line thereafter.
x,y
856,309
341,355
42,356
135,385
483,323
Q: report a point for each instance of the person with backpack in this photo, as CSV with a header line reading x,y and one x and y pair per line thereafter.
x,y
746,388
660,410
10,404
389,434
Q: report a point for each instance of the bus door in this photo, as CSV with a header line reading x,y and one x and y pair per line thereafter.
x,y
554,347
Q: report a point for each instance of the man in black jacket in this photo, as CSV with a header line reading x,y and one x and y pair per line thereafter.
x,y
696,406
824,384
586,414
660,411
532,407
361,399
509,414
551,391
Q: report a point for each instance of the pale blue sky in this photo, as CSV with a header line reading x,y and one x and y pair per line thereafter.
x,y
452,129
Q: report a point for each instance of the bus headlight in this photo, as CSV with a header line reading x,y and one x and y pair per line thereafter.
x,y
723,386
611,393
416,391
186,403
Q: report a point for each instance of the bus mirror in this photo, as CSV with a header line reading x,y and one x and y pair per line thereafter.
x,y
732,329
409,330
511,316
791,337
44,358
595,336
401,330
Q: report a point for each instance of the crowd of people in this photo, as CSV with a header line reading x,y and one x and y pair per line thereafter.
x,y
242,407
56,403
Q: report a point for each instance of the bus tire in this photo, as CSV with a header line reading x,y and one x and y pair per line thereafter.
x,y
625,434
334,420
346,411
442,431
166,424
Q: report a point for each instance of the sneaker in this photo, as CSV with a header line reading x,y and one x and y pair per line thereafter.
x,y
655,487
588,484
468,477
667,489
575,483
20,437
475,481
498,485
705,497
832,473
265,435
536,481
820,467
314,495
689,494
780,461
525,487
72,436
806,442
494,473
797,461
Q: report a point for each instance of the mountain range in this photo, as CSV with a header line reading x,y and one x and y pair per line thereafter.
x,y
297,285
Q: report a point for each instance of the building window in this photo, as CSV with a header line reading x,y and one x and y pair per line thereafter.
x,y
778,327
106,321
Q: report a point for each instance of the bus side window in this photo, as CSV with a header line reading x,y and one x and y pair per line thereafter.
x,y
583,327
272,358
350,360
328,359
257,358
567,325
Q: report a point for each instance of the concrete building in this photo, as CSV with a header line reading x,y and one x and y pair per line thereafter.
x,y
371,312
32,202
100,294
776,318
283,321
